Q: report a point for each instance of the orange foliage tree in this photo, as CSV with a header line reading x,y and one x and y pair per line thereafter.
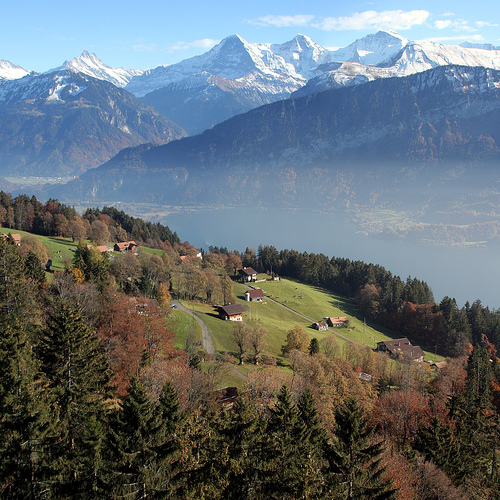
x,y
129,329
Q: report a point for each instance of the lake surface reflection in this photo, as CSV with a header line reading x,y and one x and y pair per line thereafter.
x,y
464,273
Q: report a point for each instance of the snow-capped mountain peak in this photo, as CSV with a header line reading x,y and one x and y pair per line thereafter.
x,y
10,71
372,50
232,59
303,54
89,64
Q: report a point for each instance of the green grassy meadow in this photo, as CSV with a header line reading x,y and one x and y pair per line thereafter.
x,y
312,302
58,248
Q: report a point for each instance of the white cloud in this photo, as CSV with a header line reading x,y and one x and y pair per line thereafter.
x,y
482,24
204,43
283,21
441,25
371,19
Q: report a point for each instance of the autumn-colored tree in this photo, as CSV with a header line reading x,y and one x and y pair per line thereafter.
x,y
158,337
99,233
233,262
78,229
258,342
241,335
369,300
123,332
400,414
295,339
163,295
227,288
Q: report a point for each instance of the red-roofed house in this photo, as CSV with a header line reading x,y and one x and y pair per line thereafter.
x,y
15,236
125,246
338,321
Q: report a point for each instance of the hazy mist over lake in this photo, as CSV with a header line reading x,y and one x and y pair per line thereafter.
x,y
466,274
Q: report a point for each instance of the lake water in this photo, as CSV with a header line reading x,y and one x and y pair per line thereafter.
x,y
466,274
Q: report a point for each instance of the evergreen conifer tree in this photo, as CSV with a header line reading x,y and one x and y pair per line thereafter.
x,y
134,440
78,373
354,456
28,420
289,467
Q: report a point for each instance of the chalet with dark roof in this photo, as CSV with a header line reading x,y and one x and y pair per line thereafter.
x,y
401,347
255,295
248,274
231,312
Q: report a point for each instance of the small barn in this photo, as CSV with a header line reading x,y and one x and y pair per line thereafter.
x,y
321,325
255,295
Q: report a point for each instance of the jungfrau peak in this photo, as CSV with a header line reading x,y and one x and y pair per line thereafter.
x,y
372,50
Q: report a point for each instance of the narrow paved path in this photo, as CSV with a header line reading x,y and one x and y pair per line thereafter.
x,y
206,338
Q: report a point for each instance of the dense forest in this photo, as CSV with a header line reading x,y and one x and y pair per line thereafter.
x,y
95,402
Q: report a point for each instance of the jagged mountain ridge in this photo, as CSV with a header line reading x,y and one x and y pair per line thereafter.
x,y
89,64
64,122
236,76
232,78
327,149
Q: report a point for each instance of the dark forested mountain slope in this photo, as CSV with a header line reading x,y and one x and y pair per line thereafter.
x,y
64,123
336,147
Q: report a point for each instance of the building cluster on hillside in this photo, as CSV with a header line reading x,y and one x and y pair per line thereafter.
x,y
401,348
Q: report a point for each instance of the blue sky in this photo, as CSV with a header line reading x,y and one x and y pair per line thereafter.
x,y
144,34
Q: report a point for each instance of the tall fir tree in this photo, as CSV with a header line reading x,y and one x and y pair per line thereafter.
x,y
28,420
290,470
76,367
134,442
354,456
27,413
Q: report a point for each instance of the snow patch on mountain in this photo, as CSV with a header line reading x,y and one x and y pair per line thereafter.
x,y
412,58
372,50
49,86
89,64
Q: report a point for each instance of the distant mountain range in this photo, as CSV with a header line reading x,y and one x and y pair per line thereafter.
x,y
79,115
236,76
394,141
